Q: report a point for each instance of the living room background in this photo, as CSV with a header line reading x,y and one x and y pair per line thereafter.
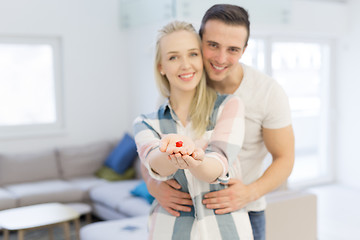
x,y
107,70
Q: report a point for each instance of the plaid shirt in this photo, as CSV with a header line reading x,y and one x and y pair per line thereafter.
x,y
223,141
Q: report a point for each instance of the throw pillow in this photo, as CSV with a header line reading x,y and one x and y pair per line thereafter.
x,y
142,191
110,175
122,157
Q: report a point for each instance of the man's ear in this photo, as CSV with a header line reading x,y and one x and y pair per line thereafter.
x,y
244,49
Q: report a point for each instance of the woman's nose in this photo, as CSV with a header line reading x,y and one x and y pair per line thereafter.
x,y
185,63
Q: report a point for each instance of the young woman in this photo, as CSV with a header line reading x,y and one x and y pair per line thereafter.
x,y
194,137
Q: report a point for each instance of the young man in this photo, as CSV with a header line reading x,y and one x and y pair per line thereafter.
x,y
225,32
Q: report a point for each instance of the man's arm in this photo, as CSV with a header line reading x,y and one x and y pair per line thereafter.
x,y
280,144
167,194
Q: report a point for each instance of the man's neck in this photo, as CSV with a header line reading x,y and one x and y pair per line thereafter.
x,y
231,83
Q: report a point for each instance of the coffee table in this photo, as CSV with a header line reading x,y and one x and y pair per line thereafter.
x,y
37,216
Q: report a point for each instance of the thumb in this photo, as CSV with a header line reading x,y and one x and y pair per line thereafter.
x,y
163,144
232,181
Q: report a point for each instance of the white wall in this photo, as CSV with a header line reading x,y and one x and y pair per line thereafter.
x,y
95,75
108,72
348,87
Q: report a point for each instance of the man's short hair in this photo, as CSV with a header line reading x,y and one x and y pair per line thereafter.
x,y
228,14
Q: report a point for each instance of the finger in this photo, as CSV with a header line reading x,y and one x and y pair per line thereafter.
x,y
181,195
233,181
223,211
217,205
183,150
198,154
163,145
190,149
174,184
173,160
172,212
182,201
171,149
216,194
216,200
178,207
181,161
191,161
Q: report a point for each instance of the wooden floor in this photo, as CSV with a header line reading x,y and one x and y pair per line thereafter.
x,y
338,212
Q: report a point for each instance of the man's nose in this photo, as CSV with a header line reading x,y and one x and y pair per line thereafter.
x,y
220,56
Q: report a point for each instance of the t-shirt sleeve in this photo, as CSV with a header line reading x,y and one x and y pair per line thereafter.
x,y
147,139
278,114
228,135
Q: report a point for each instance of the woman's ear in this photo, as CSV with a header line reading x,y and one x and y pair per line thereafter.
x,y
160,69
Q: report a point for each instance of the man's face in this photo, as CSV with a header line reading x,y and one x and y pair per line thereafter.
x,y
222,45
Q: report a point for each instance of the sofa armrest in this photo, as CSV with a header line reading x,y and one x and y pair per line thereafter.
x,y
291,215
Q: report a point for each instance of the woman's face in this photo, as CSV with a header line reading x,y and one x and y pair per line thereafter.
x,y
181,60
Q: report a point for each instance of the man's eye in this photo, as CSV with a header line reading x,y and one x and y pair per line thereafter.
x,y
194,54
234,50
213,45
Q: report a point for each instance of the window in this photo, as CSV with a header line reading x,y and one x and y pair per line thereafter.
x,y
30,92
302,68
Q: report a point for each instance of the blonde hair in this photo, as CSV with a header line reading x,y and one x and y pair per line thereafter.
x,y
204,99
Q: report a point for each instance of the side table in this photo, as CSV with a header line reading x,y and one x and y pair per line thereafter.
x,y
82,209
37,216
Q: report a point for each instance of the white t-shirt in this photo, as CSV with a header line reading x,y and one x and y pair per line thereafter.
x,y
266,106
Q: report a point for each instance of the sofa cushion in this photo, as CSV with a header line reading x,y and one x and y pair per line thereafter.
x,y
123,155
110,175
45,191
134,206
106,213
6,200
82,160
85,184
117,196
28,167
141,191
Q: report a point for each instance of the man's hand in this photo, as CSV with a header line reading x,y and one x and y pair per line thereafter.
x,y
230,199
169,197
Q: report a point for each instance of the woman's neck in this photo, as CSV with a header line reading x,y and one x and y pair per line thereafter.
x,y
181,103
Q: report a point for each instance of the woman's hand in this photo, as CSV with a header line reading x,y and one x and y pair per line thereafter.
x,y
168,144
187,161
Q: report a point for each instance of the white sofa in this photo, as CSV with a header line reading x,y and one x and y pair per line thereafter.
x,y
58,175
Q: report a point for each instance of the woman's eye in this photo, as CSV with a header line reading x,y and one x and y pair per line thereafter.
x,y
172,58
194,54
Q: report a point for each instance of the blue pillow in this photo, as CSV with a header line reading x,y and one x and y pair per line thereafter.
x,y
123,155
142,191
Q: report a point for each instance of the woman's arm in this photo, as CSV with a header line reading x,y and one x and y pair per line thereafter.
x,y
160,164
147,141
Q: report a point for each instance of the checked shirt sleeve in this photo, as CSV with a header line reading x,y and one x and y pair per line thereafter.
x,y
228,134
147,139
